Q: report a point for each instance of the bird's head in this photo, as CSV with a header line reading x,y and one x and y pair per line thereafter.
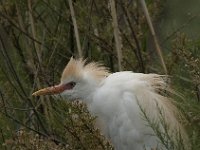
x,y
78,80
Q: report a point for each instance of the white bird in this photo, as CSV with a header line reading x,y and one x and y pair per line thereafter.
x,y
126,104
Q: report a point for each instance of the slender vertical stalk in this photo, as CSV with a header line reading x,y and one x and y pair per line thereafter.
x,y
75,28
32,23
198,92
144,7
117,37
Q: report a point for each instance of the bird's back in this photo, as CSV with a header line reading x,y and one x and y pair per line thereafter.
x,y
119,102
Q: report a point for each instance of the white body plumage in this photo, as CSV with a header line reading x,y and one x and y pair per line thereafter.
x,y
115,102
118,100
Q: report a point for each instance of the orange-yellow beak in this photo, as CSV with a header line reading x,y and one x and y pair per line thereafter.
x,y
50,90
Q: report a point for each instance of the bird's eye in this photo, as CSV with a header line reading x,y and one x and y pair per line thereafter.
x,y
72,84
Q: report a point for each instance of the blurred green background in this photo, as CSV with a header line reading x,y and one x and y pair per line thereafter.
x,y
37,39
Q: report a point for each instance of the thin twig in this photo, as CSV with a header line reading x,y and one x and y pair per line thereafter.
x,y
3,139
179,28
17,79
20,109
19,29
36,131
138,49
198,92
3,101
32,23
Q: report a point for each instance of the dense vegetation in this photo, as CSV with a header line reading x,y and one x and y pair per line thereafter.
x,y
37,38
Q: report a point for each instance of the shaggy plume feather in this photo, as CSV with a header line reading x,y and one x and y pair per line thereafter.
x,y
76,67
158,107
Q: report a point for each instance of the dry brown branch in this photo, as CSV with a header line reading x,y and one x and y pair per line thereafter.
x,y
158,49
75,28
117,37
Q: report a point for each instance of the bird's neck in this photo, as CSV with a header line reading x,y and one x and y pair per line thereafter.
x,y
91,86
88,95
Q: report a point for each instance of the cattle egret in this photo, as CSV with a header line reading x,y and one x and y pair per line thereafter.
x,y
121,101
